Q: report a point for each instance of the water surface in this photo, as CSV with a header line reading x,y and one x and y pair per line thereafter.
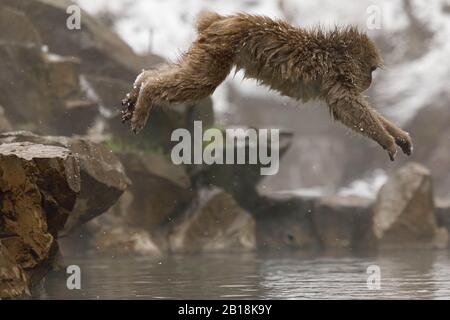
x,y
404,275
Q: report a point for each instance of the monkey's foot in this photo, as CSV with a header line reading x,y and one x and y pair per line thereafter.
x,y
129,104
405,143
139,119
127,109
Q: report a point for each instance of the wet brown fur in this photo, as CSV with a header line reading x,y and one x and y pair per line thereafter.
x,y
334,66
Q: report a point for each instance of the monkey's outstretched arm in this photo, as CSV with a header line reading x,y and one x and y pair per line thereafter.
x,y
355,112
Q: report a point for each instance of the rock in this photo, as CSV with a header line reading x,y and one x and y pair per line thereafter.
x,y
404,214
324,164
103,178
285,222
342,222
110,91
439,163
443,212
159,192
243,181
100,49
78,117
13,280
17,27
63,76
156,135
5,125
126,240
24,91
219,224
43,94
39,185
159,189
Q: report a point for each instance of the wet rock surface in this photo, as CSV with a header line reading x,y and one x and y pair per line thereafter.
x,y
285,222
343,222
39,185
404,212
218,224
103,177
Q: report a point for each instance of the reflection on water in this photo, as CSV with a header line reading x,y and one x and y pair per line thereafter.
x,y
404,275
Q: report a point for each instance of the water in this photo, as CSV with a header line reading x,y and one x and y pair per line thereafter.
x,y
404,275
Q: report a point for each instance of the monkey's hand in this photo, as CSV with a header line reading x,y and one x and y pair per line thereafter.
x,y
404,141
401,138
139,118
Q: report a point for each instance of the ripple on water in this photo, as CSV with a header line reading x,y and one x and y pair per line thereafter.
x,y
404,275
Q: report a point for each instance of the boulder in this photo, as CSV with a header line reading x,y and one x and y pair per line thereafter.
x,y
17,27
125,240
342,222
39,185
159,189
101,50
42,93
63,76
219,223
159,192
5,125
24,91
285,222
110,92
156,135
103,179
443,212
404,213
439,163
13,279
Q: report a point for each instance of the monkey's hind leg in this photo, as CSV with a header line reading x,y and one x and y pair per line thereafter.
x,y
129,102
185,82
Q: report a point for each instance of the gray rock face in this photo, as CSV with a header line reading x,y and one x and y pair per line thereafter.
x,y
219,224
24,92
17,27
158,193
443,212
404,214
101,50
285,222
39,91
342,222
5,125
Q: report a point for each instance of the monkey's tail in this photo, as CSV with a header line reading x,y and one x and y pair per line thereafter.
x,y
207,18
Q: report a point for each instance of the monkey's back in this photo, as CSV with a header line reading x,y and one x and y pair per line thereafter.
x,y
275,53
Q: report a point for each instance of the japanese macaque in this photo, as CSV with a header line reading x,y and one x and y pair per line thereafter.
x,y
335,66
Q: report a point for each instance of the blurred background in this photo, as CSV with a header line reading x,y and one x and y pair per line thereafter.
x,y
336,196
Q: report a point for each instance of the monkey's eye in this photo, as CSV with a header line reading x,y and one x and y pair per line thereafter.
x,y
373,68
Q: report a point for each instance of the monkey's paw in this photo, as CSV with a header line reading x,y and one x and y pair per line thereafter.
x,y
139,119
127,111
405,143
392,151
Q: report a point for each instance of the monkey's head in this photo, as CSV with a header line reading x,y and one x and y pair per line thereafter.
x,y
362,58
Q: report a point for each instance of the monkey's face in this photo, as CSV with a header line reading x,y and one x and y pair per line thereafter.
x,y
366,76
366,59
